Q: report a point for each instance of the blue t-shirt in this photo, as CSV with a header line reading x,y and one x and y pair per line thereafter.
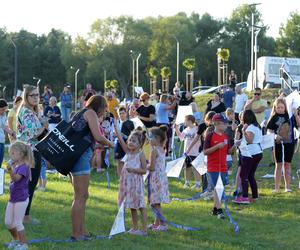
x,y
161,113
66,100
55,110
228,96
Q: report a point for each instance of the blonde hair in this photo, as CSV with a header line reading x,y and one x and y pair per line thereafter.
x,y
229,111
53,98
25,150
276,102
26,91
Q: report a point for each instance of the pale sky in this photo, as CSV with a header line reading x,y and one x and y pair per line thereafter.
x,y
75,17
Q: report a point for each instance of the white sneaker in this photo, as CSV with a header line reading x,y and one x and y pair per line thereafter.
x,y
186,185
42,189
275,191
21,247
196,186
12,244
287,190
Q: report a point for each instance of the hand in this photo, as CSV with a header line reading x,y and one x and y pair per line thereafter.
x,y
245,127
237,143
14,135
278,138
221,145
295,112
111,144
130,170
233,126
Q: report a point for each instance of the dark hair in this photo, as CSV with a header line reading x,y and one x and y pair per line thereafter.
x,y
122,109
257,88
96,103
209,115
160,132
190,118
250,118
3,103
88,96
144,96
18,99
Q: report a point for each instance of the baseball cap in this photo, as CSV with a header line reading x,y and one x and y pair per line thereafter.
x,y
219,118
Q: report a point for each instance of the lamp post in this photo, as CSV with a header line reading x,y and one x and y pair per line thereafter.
x,y
76,74
219,69
16,66
37,83
252,44
131,52
137,69
177,64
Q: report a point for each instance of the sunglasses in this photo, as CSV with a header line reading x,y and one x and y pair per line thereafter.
x,y
257,94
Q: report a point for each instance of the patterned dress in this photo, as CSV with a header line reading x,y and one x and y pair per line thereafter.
x,y
159,188
131,187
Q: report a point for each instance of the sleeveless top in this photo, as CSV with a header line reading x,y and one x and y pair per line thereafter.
x,y
80,124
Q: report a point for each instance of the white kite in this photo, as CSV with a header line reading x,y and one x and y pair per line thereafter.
x,y
173,168
267,141
219,188
182,112
199,164
137,122
292,102
119,223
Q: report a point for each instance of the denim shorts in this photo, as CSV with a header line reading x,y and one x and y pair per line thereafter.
x,y
43,169
213,178
83,166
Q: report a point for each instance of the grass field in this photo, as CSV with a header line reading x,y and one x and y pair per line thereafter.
x,y
271,223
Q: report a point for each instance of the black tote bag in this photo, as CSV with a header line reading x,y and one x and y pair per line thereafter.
x,y
63,146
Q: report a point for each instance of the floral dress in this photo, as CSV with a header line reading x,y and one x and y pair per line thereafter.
x,y
28,126
158,181
131,189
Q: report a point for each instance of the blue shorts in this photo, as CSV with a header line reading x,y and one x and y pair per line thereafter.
x,y
43,169
213,178
83,166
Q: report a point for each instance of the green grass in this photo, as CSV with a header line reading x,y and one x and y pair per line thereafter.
x,y
271,223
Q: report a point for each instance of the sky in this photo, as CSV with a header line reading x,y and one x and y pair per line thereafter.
x,y
75,17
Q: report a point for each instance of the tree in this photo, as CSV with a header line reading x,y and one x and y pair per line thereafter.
x,y
224,54
288,44
153,72
165,72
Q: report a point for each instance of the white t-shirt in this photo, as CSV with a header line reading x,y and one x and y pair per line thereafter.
x,y
255,148
188,135
3,121
240,101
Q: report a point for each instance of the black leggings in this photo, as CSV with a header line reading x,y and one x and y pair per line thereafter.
x,y
35,175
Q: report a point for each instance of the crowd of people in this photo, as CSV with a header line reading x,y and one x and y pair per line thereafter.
x,y
230,121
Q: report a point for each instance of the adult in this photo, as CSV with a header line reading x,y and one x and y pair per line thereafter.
x,y
240,101
228,97
88,118
162,115
46,95
257,105
12,117
88,89
215,104
112,103
53,113
233,79
252,136
146,112
29,130
186,99
66,100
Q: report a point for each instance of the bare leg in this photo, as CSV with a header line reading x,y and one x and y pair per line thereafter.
x,y
81,185
238,179
196,175
278,175
287,175
157,220
134,218
144,219
119,167
217,202
187,172
22,236
14,233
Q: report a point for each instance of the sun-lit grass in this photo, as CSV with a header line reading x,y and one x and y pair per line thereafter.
x,y
271,223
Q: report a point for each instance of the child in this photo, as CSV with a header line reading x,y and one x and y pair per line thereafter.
x,y
4,128
158,181
125,126
131,189
283,127
252,136
19,170
216,147
237,139
231,127
188,135
207,125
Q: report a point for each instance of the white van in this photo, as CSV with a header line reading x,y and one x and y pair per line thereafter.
x,y
268,71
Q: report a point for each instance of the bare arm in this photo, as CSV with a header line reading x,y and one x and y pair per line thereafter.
x,y
297,117
120,137
14,177
153,156
248,104
147,119
179,134
196,139
212,149
93,122
248,135
143,169
259,110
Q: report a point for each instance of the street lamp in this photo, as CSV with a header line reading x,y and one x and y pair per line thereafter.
x,y
37,83
252,43
137,69
76,76
177,67
16,66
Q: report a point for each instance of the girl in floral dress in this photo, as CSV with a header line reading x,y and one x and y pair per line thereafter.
x,y
131,188
158,181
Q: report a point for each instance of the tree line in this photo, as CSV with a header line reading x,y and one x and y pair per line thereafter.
x,y
105,53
